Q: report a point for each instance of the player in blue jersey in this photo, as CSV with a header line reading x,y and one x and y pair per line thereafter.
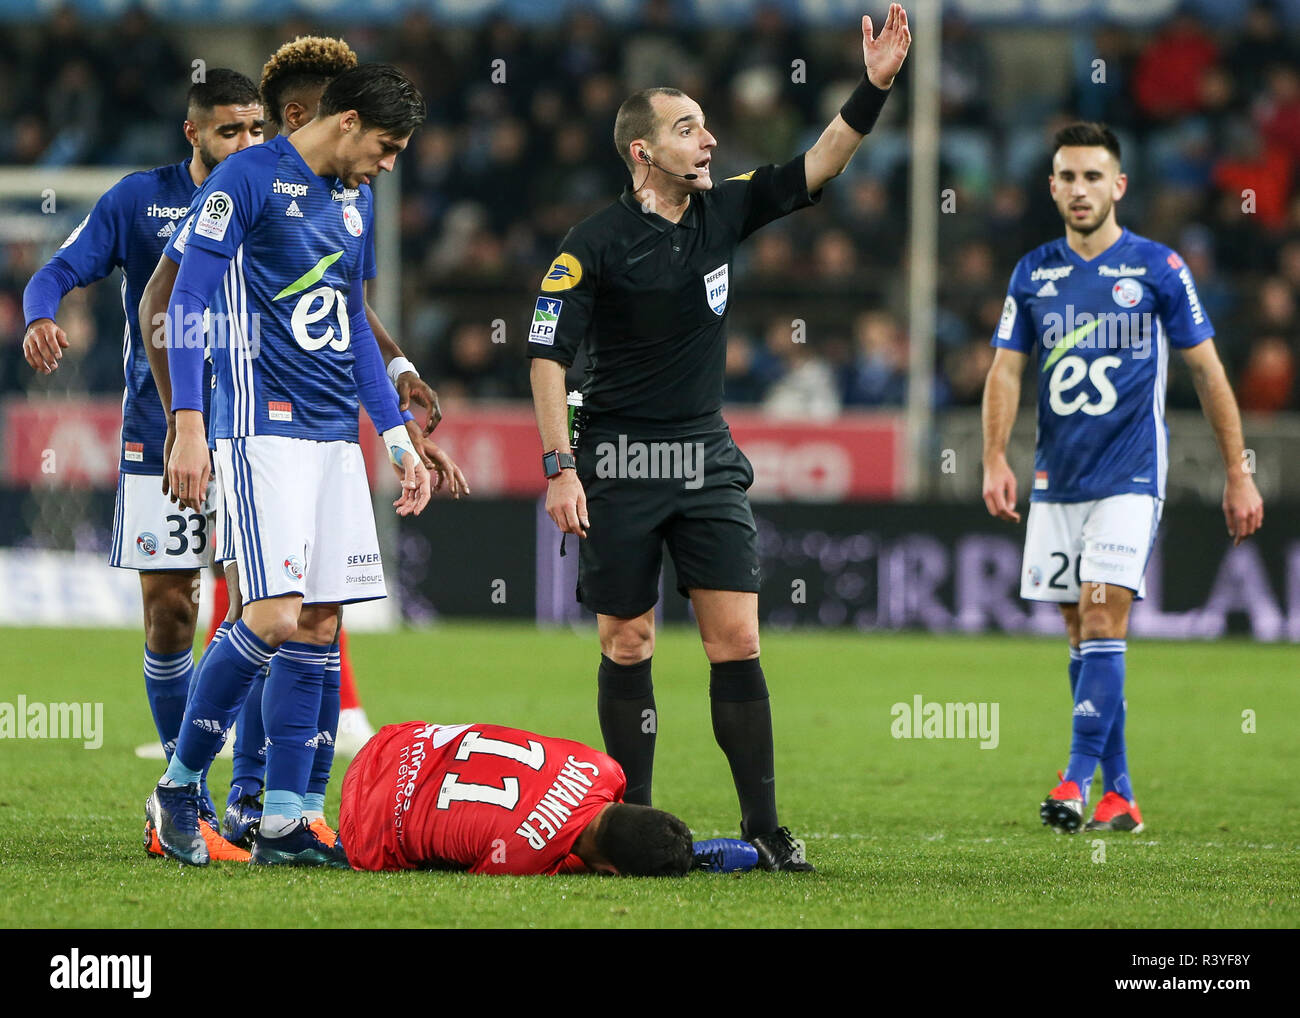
x,y
127,229
275,254
1098,311
292,83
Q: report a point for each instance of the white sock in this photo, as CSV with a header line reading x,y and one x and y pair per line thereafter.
x,y
274,825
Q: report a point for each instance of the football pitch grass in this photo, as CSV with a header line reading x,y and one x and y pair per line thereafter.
x,y
904,832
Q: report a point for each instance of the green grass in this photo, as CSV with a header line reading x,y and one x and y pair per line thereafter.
x,y
905,833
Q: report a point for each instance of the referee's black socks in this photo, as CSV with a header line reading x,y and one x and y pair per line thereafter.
x,y
742,724
625,704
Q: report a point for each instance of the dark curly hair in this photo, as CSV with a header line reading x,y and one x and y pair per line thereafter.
x,y
310,61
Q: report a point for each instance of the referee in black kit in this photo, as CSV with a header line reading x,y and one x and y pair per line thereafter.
x,y
644,284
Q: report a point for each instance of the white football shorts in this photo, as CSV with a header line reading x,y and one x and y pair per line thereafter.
x,y
301,519
219,529
1106,540
151,532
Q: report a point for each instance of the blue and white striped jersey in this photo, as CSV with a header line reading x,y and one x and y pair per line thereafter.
x,y
128,229
1100,332
281,323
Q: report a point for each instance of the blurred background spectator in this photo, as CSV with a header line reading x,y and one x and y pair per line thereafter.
x,y
518,148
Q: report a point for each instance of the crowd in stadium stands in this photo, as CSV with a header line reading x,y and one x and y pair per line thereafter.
x,y
1209,119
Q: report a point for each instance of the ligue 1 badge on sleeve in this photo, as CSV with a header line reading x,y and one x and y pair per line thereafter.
x,y
352,220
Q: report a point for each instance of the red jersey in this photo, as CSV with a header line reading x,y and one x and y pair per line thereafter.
x,y
483,798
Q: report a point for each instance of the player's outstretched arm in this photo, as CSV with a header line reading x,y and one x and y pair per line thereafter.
x,y
1001,400
407,381
566,502
1243,509
153,327
882,55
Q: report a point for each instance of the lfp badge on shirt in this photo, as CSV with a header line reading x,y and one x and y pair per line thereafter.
x,y
546,314
715,285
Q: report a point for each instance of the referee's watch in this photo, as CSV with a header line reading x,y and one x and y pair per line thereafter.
x,y
554,462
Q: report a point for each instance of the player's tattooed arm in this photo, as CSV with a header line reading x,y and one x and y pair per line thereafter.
x,y
1243,508
1001,400
153,327
409,385
882,56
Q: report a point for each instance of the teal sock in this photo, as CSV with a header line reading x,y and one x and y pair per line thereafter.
x,y
281,812
314,802
178,774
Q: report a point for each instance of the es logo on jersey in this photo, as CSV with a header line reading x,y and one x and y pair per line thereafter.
x,y
565,273
1127,293
215,217
546,318
715,286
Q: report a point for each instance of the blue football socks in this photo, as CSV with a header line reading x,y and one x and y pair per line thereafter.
x,y
327,729
228,668
167,679
1098,700
291,704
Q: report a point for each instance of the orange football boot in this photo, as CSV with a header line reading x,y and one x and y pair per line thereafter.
x,y
1063,807
323,831
219,849
1115,813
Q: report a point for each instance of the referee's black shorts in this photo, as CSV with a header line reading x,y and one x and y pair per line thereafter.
x,y
703,515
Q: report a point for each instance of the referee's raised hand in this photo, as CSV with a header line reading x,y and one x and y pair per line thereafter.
x,y
566,503
883,54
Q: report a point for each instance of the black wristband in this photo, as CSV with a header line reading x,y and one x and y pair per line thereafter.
x,y
862,108
554,463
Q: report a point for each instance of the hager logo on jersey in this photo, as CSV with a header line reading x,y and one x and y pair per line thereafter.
x,y
157,211
288,187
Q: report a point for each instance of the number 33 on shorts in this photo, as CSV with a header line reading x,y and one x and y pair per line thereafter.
x,y
150,531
